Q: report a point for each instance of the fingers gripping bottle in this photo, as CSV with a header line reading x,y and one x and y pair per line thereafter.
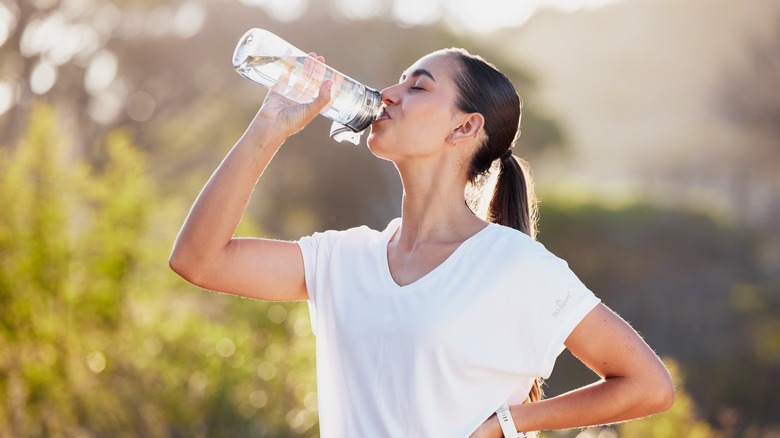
x,y
268,60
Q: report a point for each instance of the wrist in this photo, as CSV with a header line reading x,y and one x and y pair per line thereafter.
x,y
263,139
506,423
267,131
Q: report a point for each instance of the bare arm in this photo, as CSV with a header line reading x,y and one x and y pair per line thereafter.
x,y
205,252
635,383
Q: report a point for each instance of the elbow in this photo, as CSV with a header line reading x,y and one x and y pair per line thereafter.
x,y
183,267
661,396
177,264
667,398
651,394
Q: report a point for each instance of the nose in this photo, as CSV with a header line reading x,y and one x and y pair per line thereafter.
x,y
390,95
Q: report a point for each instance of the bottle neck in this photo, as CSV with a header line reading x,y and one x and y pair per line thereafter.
x,y
369,111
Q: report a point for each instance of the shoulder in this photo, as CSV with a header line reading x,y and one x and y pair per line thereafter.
x,y
510,240
351,236
518,248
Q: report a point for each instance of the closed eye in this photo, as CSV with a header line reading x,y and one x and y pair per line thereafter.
x,y
416,88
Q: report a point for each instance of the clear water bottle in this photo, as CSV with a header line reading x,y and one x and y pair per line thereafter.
x,y
268,60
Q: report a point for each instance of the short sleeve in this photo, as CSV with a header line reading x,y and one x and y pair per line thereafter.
x,y
316,250
557,302
309,246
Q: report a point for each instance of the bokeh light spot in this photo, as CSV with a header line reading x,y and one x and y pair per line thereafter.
x,y
281,10
141,106
258,398
43,77
189,19
159,22
266,370
416,12
274,352
358,9
96,361
277,314
302,327
310,401
198,382
226,347
105,107
101,71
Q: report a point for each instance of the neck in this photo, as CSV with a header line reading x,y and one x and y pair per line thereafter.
x,y
434,208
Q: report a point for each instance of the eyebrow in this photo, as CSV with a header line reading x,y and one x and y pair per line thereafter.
x,y
417,73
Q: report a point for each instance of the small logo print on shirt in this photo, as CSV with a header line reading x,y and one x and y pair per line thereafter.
x,y
561,304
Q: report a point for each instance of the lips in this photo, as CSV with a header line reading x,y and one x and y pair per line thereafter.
x,y
383,116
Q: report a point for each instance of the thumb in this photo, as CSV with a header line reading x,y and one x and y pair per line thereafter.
x,y
322,99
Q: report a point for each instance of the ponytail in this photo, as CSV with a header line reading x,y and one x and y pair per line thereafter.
x,y
513,203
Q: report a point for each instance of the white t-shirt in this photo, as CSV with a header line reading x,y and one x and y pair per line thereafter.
x,y
436,357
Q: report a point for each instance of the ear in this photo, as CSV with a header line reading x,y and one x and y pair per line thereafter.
x,y
470,127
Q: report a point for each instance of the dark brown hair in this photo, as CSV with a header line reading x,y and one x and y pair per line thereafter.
x,y
483,89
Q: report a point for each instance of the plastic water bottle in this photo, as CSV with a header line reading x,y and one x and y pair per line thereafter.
x,y
268,60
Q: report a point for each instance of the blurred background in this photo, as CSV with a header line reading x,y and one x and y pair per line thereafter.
x,y
652,128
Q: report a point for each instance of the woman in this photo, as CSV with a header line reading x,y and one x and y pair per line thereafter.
x,y
431,326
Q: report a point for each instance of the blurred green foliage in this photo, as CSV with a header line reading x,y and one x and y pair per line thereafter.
x,y
100,338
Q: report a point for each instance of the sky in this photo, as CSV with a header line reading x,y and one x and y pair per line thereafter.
x,y
464,15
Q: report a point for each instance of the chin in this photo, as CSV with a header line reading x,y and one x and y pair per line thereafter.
x,y
377,146
373,140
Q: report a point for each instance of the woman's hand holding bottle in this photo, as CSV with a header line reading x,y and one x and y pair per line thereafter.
x,y
287,117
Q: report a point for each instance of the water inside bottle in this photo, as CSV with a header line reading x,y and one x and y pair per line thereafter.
x,y
299,78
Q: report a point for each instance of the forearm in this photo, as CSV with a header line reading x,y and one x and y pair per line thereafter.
x,y
214,216
608,401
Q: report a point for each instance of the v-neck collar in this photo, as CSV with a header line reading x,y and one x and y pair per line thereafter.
x,y
392,229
